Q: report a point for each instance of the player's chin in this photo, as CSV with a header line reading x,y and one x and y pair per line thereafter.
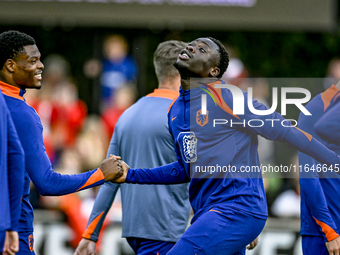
x,y
180,64
183,67
37,85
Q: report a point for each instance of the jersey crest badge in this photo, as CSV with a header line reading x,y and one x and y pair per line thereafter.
x,y
201,119
31,242
188,140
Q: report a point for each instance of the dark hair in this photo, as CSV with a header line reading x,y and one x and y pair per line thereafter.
x,y
224,57
164,58
12,44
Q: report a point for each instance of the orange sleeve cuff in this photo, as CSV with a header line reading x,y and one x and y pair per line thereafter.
x,y
95,177
89,230
327,230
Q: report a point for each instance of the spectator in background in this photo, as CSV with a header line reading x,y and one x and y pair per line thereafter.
x,y
71,114
92,142
119,69
236,70
333,73
123,99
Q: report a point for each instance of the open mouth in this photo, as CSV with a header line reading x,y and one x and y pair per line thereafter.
x,y
38,76
185,54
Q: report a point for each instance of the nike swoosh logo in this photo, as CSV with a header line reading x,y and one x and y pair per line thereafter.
x,y
172,119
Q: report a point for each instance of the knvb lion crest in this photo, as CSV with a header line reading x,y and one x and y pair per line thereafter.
x,y
31,242
189,147
201,119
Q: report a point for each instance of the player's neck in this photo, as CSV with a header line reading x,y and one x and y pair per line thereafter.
x,y
171,84
6,79
185,84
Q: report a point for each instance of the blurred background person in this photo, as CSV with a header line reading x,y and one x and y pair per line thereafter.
x,y
236,73
92,142
333,73
117,69
123,98
145,131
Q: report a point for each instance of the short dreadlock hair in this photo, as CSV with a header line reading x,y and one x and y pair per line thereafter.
x,y
224,57
12,44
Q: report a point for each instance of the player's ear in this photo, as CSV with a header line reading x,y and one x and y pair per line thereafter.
x,y
214,71
10,65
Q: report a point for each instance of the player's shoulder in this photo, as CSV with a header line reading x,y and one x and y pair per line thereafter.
x,y
330,93
316,108
21,112
172,104
163,94
315,104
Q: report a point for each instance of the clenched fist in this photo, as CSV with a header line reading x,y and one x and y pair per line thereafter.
x,y
122,178
111,168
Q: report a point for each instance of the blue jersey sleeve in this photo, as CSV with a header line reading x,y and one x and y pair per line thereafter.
x,y
305,143
312,190
313,193
15,173
38,165
270,125
101,207
172,173
274,127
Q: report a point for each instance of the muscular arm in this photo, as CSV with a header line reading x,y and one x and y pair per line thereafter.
x,y
279,129
38,165
310,149
168,174
305,143
172,173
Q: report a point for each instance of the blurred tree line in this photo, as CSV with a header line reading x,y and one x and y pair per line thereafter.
x,y
265,54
